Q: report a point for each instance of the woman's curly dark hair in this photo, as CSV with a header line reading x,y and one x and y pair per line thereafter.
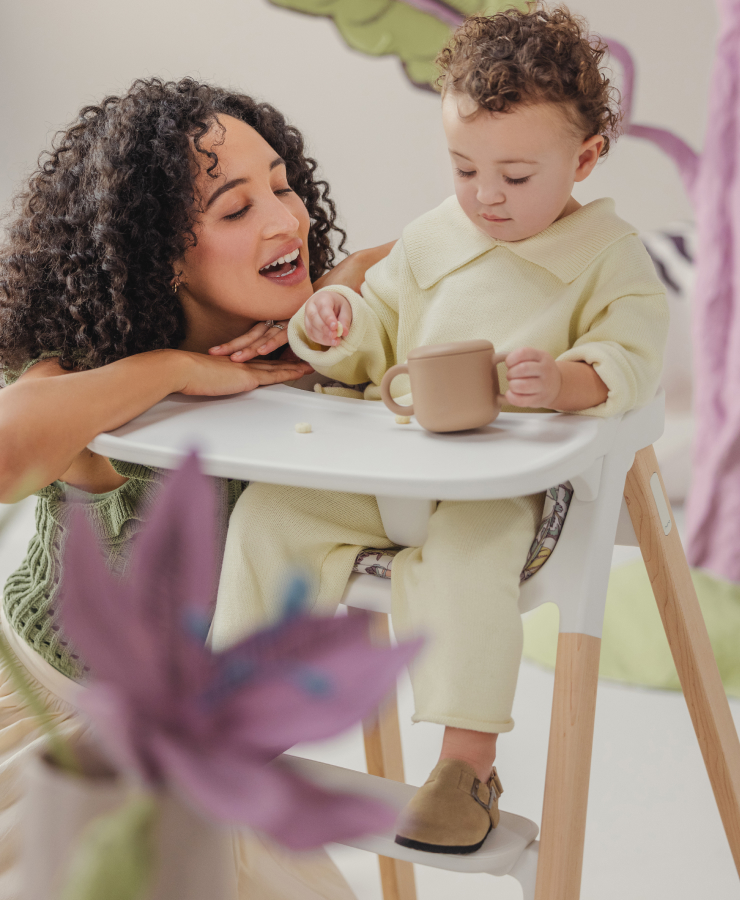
x,y
87,269
532,56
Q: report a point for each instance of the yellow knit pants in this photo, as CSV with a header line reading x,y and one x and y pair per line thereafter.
x,y
460,589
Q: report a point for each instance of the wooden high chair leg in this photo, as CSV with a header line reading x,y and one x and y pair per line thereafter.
x,y
568,768
687,635
384,758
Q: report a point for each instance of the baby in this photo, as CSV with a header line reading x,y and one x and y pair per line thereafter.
x,y
567,291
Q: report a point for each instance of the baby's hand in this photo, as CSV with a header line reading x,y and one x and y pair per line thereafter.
x,y
534,378
328,316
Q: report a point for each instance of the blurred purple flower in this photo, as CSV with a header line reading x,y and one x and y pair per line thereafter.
x,y
209,725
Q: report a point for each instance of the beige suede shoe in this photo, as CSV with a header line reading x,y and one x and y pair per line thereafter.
x,y
452,812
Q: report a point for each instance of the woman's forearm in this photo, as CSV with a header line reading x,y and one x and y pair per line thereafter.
x,y
48,417
351,271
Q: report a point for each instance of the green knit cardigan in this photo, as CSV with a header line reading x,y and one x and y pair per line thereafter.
x,y
115,517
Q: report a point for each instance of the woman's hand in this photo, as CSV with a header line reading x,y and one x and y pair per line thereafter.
x,y
351,271
260,340
207,376
328,317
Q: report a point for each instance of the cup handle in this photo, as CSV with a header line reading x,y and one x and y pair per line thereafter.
x,y
495,360
385,391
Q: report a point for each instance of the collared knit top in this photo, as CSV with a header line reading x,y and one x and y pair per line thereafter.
x,y
115,517
583,289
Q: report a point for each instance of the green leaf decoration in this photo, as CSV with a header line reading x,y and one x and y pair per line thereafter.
x,y
413,30
115,858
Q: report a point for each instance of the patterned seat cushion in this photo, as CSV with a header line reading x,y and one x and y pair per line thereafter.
x,y
557,502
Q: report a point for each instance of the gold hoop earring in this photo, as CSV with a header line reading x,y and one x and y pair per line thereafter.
x,y
176,285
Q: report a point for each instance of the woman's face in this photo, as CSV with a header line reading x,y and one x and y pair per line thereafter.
x,y
248,219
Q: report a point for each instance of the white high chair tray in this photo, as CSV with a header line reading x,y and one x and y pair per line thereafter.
x,y
358,446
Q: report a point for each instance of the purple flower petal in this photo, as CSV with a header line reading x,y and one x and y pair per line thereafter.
x,y
275,714
177,714
92,605
272,798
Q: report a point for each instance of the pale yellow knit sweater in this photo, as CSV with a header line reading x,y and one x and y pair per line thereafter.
x,y
583,289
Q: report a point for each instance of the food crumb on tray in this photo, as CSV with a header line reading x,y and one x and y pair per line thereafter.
x,y
303,427
403,420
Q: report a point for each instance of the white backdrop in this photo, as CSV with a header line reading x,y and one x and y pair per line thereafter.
x,y
378,139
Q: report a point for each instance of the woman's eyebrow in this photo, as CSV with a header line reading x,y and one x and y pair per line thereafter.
x,y
235,182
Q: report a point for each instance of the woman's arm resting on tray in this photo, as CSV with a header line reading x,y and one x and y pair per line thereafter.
x,y
47,420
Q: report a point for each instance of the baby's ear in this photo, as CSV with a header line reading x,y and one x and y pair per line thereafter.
x,y
588,156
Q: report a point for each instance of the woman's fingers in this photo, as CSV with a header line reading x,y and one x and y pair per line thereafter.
x,y
276,371
260,340
216,376
255,333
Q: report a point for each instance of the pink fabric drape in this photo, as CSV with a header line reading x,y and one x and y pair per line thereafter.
x,y
713,512
713,183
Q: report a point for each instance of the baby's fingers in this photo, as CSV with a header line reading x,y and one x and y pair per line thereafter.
x,y
316,327
523,398
529,369
345,320
523,354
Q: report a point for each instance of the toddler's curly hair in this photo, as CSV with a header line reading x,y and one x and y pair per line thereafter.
x,y
533,56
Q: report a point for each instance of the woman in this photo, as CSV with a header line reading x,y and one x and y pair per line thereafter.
x,y
158,248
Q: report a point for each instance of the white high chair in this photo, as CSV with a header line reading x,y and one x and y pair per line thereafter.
x,y
356,446
618,499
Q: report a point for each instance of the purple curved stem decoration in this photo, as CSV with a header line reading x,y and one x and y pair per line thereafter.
x,y
713,507
624,58
440,10
680,152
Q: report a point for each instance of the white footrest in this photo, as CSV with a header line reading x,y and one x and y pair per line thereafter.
x,y
499,853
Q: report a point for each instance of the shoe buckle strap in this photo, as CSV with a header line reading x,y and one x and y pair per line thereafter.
x,y
495,789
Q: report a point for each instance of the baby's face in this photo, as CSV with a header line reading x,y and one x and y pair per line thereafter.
x,y
514,172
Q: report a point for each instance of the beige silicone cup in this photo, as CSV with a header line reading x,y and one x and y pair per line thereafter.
x,y
455,386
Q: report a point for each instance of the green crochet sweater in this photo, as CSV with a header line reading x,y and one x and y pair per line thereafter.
x,y
116,517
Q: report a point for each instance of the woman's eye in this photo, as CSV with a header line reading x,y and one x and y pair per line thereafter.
x,y
516,180
239,213
284,191
461,174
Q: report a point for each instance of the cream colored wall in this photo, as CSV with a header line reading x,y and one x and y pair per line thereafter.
x,y
377,138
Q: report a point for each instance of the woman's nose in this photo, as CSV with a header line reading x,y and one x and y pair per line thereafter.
x,y
279,219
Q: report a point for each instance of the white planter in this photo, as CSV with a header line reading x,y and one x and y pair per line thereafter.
x,y
194,856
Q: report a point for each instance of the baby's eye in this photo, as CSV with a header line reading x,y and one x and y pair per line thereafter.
x,y
461,174
516,180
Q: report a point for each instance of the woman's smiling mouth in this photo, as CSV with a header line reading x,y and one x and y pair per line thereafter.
x,y
283,265
287,270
